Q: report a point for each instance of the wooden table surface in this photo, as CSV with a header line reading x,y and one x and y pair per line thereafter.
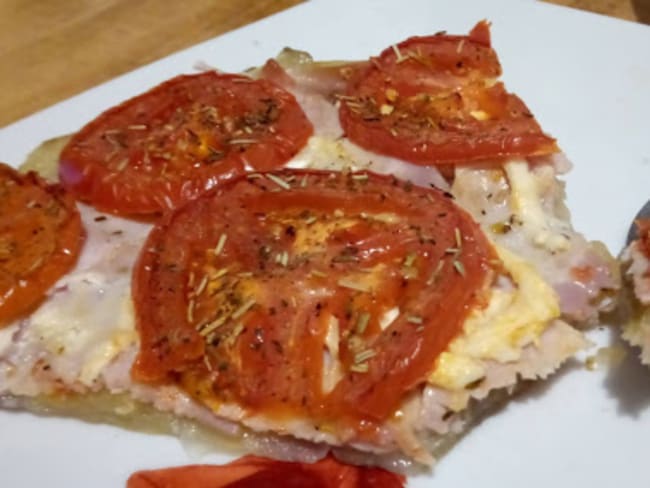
x,y
53,49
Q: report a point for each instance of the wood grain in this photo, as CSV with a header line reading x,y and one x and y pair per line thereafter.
x,y
635,10
53,49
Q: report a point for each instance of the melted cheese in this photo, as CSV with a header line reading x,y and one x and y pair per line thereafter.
x,y
388,318
325,153
86,320
332,367
86,325
526,203
312,236
513,319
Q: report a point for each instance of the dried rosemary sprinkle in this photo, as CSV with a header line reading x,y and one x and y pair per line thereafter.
x,y
359,368
362,322
243,308
353,285
459,238
236,331
459,267
137,127
206,361
397,52
242,141
121,166
220,244
201,288
36,264
435,273
207,329
190,311
414,319
409,259
219,273
279,181
363,356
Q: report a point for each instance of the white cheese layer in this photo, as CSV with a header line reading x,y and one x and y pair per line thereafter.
x,y
86,320
525,196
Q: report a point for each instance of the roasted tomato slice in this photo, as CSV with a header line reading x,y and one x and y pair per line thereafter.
x,y
168,145
257,472
318,293
40,239
435,100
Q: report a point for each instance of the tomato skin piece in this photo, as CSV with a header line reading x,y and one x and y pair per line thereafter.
x,y
256,472
643,230
41,236
166,146
434,101
223,300
480,33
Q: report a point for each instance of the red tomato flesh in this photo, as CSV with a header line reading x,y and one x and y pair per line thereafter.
x,y
179,139
435,100
256,472
41,236
235,293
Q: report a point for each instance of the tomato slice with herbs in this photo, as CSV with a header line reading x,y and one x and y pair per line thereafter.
x,y
322,294
435,100
40,239
170,144
257,472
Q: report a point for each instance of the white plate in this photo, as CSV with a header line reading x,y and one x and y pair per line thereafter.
x,y
586,77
